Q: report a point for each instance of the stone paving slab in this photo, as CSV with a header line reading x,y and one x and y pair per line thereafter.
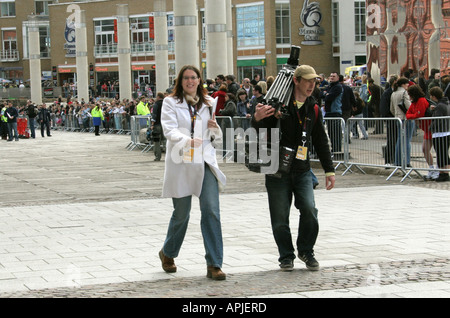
x,y
386,279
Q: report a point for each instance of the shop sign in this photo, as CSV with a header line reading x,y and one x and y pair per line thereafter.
x,y
69,32
311,17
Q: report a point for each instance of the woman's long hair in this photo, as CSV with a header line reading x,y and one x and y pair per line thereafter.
x,y
400,82
415,92
201,91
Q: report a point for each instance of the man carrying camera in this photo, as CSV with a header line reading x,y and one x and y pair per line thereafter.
x,y
301,127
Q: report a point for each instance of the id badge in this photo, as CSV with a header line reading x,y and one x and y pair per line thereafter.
x,y
302,153
188,155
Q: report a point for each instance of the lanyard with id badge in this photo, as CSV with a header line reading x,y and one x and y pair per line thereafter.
x,y
302,150
188,155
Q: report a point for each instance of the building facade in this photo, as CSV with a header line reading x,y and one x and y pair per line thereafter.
x,y
403,35
262,34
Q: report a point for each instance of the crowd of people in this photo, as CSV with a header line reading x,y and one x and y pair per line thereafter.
x,y
407,97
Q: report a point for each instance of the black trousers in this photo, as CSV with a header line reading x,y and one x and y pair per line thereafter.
x,y
45,125
441,145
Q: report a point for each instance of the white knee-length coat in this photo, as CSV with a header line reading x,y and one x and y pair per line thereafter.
x,y
181,177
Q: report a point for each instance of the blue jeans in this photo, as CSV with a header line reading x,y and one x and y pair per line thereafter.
x,y
210,222
314,178
409,129
354,129
12,130
280,192
32,127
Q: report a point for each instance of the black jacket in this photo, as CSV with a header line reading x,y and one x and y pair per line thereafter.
x,y
331,95
156,114
11,113
291,134
31,111
348,98
442,110
385,103
44,115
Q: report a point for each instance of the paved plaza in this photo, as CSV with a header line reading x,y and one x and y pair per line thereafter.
x,y
81,216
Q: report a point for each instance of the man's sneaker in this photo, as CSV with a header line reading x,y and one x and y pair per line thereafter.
x,y
311,263
287,265
442,177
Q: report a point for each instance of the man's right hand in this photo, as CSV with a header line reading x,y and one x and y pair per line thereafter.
x,y
263,111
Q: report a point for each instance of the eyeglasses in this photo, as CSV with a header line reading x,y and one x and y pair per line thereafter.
x,y
187,78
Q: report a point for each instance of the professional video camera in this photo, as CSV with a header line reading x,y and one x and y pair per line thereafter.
x,y
266,157
281,90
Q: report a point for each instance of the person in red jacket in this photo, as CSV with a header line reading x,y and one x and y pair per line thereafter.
x,y
221,93
419,105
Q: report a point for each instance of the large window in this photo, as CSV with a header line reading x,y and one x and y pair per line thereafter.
x,y
9,40
142,32
170,27
140,29
360,21
250,26
42,6
44,39
171,32
105,42
335,22
9,45
283,23
8,8
104,32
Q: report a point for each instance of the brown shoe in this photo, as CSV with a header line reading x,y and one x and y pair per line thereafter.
x,y
215,273
167,263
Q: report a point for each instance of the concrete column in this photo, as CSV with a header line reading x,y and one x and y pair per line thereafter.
x,y
187,50
124,52
81,55
35,60
230,43
216,38
271,35
161,46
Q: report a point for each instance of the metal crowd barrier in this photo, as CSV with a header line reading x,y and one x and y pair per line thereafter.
x,y
397,145
139,126
424,151
364,146
357,143
227,144
335,127
114,124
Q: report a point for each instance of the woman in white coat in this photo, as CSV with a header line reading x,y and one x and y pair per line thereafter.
x,y
191,168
